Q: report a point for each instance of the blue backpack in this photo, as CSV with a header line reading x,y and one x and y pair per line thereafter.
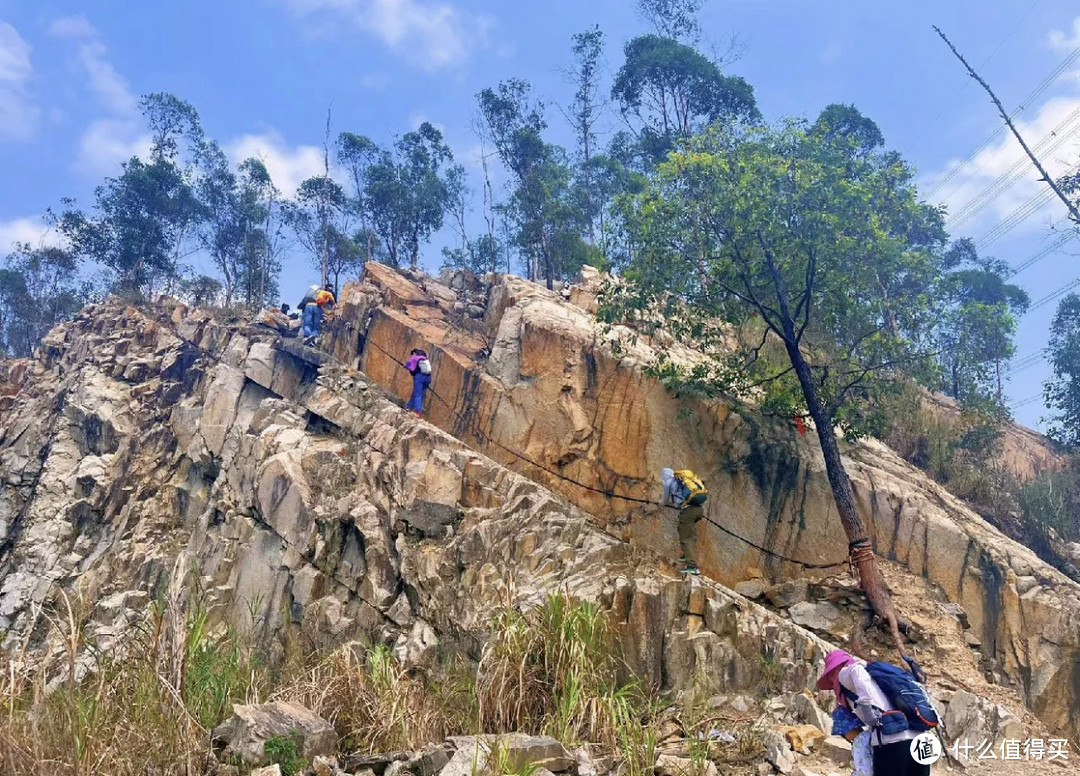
x,y
912,708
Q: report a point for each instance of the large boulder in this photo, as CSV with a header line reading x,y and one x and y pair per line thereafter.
x,y
243,736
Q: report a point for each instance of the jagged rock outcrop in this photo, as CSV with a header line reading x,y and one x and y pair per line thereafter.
x,y
315,511
539,377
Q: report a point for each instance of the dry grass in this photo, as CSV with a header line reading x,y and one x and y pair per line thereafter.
x,y
552,670
150,706
377,705
146,708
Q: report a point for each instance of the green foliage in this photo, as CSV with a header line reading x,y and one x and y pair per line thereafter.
x,y
545,207
39,287
977,323
173,123
554,669
770,674
1051,501
145,707
407,191
1062,390
285,752
825,243
141,219
676,19
237,230
318,216
670,91
957,449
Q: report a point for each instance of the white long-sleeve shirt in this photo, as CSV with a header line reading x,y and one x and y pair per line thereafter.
x,y
856,679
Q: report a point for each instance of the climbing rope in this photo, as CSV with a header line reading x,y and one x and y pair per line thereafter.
x,y
730,467
471,426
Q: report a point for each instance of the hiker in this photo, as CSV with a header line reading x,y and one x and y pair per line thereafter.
x,y
313,305
850,727
684,491
420,369
891,730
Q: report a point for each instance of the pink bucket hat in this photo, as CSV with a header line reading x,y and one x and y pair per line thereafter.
x,y
834,661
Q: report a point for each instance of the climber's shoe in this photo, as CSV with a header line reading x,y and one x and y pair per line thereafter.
x,y
689,567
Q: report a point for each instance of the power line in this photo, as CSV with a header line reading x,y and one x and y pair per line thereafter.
x,y
1024,105
1040,254
967,82
1054,295
1015,218
1049,143
1026,402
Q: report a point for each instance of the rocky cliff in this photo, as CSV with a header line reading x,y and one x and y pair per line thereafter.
x,y
314,511
519,369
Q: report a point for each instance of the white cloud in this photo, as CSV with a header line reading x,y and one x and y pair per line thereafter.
x,y
107,141
1066,42
376,82
18,114
72,27
28,229
434,33
288,166
108,85
972,212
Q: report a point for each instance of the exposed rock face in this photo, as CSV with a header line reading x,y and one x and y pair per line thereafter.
x,y
311,504
561,392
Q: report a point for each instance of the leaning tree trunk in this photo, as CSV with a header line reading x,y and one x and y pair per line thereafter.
x,y
862,554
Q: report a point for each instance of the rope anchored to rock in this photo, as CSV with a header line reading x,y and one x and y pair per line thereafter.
x,y
730,467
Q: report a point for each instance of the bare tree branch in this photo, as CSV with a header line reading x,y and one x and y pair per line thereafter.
x,y
1074,214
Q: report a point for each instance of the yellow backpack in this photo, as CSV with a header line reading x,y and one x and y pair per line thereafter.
x,y
691,482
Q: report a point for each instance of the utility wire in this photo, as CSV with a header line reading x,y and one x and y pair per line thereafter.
x,y
1026,402
1055,294
1049,143
1024,105
1040,254
958,92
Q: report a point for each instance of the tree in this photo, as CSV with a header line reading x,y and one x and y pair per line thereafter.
x,y
675,19
359,153
584,113
317,215
667,91
145,216
846,121
408,190
797,228
260,261
142,218
978,322
1062,390
171,121
39,287
546,212
222,232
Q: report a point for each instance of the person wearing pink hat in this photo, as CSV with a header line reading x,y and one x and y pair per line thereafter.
x,y
847,677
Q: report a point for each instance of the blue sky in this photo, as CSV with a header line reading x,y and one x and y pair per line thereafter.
x,y
262,74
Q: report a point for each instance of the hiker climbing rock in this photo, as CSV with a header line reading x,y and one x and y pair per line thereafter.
x,y
685,491
420,369
313,304
889,702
